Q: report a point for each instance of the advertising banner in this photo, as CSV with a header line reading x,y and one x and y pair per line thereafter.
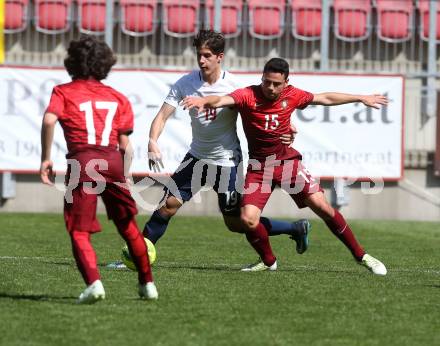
x,y
350,140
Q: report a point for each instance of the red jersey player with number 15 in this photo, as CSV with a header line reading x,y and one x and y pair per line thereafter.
x,y
265,111
96,121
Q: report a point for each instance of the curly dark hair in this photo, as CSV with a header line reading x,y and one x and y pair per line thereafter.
x,y
214,40
277,65
89,57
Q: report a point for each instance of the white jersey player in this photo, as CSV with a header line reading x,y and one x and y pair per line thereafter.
x,y
214,132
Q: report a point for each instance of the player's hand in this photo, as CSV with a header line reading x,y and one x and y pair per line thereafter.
x,y
129,181
191,102
288,138
374,100
154,157
46,172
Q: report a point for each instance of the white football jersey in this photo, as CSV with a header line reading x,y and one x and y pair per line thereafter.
x,y
214,132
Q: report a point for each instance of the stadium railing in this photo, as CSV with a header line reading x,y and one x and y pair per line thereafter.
x,y
368,36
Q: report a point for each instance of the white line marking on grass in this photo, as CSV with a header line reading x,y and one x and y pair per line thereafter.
x,y
34,258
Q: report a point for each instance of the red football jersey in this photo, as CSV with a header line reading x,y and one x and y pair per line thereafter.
x,y
264,121
91,113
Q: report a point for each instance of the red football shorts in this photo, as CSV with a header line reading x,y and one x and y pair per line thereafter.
x,y
80,215
290,175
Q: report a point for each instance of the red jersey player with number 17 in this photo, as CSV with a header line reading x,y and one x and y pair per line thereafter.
x,y
265,111
96,121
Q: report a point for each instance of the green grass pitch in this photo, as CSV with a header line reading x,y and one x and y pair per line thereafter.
x,y
319,298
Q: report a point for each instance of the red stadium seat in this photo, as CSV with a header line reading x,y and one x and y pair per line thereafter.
x,y
231,16
394,20
306,19
53,16
138,17
352,19
423,6
91,16
266,18
180,18
16,15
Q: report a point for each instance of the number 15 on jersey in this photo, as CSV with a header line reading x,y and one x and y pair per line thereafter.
x,y
271,122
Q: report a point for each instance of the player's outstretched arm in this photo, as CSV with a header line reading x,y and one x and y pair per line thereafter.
x,y
154,155
213,101
334,99
47,130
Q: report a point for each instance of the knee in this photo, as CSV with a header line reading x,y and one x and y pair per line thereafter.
x,y
248,222
168,211
170,208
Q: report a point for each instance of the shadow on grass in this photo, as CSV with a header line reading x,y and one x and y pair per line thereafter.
x,y
234,268
199,267
174,266
59,263
237,268
38,298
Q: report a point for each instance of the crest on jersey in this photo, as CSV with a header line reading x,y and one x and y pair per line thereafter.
x,y
284,104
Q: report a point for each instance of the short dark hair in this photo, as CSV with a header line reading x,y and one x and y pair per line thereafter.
x,y
214,40
89,57
277,65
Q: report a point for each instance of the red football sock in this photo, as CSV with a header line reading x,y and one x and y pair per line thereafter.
x,y
259,240
85,256
129,230
342,230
